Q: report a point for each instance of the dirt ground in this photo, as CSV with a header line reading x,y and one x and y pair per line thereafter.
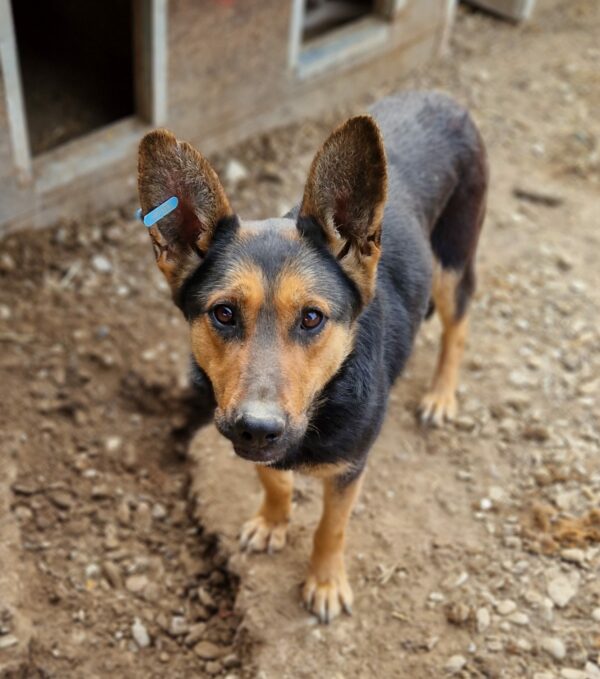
x,y
474,550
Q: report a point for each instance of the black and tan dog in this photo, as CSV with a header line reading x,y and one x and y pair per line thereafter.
x,y
300,324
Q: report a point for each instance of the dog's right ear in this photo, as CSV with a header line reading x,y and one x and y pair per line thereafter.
x,y
168,167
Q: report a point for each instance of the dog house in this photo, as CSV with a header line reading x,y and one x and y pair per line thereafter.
x,y
80,82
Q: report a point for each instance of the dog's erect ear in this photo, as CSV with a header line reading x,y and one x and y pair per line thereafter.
x,y
345,194
167,167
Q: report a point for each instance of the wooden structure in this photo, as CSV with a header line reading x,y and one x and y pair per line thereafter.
x,y
82,82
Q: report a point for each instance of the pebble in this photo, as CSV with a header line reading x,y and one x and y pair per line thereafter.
x,y
195,633
506,607
143,517
5,312
178,626
112,574
207,650
554,647
483,619
235,172
136,583
519,618
570,673
140,634
596,614
455,664
159,512
573,555
212,667
8,640
562,589
113,443
101,264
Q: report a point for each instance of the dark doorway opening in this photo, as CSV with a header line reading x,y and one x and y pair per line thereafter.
x,y
322,16
76,61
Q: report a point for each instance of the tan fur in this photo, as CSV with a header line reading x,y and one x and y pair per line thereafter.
x,y
346,193
225,363
306,369
267,530
327,590
440,402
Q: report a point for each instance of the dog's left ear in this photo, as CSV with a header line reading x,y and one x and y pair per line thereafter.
x,y
345,195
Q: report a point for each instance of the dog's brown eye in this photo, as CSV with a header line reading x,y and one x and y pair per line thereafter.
x,y
311,319
224,314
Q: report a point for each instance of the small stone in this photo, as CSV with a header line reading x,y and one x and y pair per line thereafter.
x,y
7,263
593,670
208,651
100,492
230,661
178,626
61,499
573,555
235,172
562,589
519,618
554,647
143,517
195,634
159,512
101,264
112,574
455,664
506,607
458,613
485,504
8,640
596,614
213,667
5,312
483,619
570,673
136,583
112,444
140,634
205,598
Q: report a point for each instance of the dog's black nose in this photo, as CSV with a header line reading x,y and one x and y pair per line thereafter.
x,y
259,430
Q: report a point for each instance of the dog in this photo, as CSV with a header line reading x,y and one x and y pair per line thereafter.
x,y
300,324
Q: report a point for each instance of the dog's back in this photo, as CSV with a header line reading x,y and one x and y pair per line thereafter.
x,y
437,181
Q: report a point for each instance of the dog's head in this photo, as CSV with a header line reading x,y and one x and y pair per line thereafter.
x,y
272,304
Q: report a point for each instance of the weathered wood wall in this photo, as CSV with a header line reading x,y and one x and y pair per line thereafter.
x,y
228,77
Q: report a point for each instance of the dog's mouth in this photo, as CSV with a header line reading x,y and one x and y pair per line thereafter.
x,y
260,456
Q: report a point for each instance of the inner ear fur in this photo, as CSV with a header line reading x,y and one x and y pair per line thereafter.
x,y
345,193
168,167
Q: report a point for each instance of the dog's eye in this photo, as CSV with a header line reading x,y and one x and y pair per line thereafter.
x,y
311,319
223,314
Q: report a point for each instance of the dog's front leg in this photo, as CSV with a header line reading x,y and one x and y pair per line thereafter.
x,y
326,590
266,532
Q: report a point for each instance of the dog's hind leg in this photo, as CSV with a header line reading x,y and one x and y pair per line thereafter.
x,y
267,531
454,242
439,403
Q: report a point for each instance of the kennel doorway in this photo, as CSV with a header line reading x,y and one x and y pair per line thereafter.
x,y
76,70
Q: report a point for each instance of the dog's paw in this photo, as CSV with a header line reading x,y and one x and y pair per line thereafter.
x,y
260,535
437,407
328,598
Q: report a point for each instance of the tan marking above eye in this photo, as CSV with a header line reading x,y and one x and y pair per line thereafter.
x,y
293,294
245,288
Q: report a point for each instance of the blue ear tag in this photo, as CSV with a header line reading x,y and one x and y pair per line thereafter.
x,y
159,212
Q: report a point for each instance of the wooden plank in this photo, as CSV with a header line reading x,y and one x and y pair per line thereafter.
x,y
150,60
17,121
